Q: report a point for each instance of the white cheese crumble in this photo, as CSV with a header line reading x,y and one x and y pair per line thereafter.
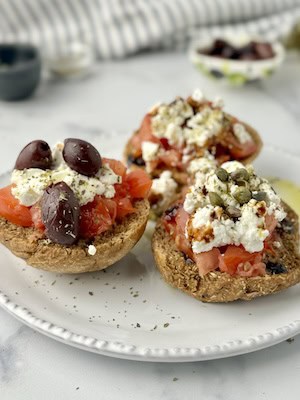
x,y
31,183
181,124
198,95
248,229
149,153
202,164
165,186
240,132
203,126
92,250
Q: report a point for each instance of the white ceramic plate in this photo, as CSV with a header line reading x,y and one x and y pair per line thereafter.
x,y
128,311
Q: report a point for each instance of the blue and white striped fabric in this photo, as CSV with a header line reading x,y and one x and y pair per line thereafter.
x,y
118,28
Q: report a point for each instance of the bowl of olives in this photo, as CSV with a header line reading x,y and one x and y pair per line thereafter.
x,y
237,60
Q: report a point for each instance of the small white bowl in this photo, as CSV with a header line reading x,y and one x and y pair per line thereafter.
x,y
235,72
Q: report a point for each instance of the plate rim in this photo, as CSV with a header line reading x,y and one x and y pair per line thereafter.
x,y
139,353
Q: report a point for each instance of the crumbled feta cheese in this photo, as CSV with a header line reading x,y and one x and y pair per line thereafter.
x,y
165,186
277,244
203,126
218,102
202,164
92,250
173,115
198,95
149,150
31,183
240,132
231,166
249,229
155,107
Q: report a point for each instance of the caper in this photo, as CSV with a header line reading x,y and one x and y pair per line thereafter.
x,y
242,195
233,212
222,174
240,174
215,199
259,196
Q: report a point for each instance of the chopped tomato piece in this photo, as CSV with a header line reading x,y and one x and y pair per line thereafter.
x,y
36,215
117,166
124,207
271,222
234,256
139,184
171,158
95,218
175,221
12,210
240,150
207,261
144,134
111,206
257,268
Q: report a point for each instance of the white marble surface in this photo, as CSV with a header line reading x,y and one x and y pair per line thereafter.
x,y
112,101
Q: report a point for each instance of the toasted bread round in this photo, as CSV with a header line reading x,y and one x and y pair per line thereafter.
x,y
29,244
219,286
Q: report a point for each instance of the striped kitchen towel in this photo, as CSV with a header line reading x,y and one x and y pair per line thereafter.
x,y
118,28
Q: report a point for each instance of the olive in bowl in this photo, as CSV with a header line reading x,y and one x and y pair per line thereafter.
x,y
237,60
20,71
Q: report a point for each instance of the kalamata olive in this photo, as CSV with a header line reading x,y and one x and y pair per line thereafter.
x,y
242,195
60,214
215,199
82,157
36,154
222,174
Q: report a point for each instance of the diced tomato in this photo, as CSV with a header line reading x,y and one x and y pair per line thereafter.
x,y
95,218
124,207
12,210
171,158
256,268
271,222
36,215
144,134
175,223
111,206
117,166
239,150
139,184
233,256
207,261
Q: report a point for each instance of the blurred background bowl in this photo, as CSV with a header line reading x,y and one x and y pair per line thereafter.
x,y
20,71
235,72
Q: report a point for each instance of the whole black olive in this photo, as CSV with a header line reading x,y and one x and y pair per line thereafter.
x,y
60,214
36,154
82,157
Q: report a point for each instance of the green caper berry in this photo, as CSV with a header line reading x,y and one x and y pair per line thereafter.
x,y
260,196
242,195
215,199
241,183
222,174
240,174
233,212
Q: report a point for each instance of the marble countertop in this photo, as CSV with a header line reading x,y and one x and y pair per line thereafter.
x,y
112,101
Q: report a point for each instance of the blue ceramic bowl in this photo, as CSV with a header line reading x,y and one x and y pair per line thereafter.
x,y
20,71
